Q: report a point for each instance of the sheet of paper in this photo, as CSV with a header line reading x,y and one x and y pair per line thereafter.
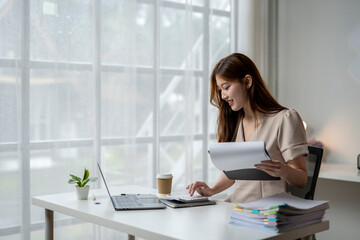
x,y
228,156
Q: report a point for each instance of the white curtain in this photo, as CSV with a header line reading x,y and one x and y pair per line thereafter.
x,y
124,83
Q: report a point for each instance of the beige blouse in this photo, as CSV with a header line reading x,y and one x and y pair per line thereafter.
x,y
285,139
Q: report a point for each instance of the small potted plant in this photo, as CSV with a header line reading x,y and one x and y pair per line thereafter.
x,y
82,190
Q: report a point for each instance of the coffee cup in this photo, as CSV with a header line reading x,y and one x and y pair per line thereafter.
x,y
164,181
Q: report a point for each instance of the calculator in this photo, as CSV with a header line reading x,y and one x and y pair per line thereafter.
x,y
188,198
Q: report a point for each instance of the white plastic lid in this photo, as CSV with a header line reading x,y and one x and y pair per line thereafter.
x,y
164,175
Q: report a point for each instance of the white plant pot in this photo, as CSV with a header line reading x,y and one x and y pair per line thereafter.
x,y
82,192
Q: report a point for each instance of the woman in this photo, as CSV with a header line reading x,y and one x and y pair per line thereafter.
x,y
248,112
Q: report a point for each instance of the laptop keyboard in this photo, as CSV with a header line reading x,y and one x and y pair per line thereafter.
x,y
127,201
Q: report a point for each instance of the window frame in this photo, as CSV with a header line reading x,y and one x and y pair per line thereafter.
x,y
24,65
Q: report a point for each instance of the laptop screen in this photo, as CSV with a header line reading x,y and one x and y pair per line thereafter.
x,y
104,179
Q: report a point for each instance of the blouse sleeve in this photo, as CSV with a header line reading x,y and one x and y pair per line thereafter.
x,y
292,136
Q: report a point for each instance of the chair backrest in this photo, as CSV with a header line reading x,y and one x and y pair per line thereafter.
x,y
313,163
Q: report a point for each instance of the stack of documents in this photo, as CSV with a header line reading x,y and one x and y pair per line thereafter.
x,y
279,213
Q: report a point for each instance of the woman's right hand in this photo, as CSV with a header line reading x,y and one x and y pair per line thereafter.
x,y
200,187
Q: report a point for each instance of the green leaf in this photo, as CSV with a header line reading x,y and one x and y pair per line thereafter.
x,y
86,174
72,181
85,182
93,179
75,177
79,184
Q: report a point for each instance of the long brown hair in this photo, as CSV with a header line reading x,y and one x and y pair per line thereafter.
x,y
234,68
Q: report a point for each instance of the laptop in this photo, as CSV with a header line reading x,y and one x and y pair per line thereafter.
x,y
133,201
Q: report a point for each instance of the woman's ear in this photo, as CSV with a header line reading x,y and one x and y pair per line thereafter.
x,y
248,81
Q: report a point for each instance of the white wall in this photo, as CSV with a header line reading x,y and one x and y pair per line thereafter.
x,y
319,75
319,71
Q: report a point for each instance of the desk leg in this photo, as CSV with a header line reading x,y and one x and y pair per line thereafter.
x,y
49,224
131,237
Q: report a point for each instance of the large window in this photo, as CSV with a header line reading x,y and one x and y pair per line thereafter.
x,y
120,82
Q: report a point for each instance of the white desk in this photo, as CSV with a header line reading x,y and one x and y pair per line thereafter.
x,y
341,172
206,222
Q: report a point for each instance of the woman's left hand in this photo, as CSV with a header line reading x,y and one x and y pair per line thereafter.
x,y
293,171
273,168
